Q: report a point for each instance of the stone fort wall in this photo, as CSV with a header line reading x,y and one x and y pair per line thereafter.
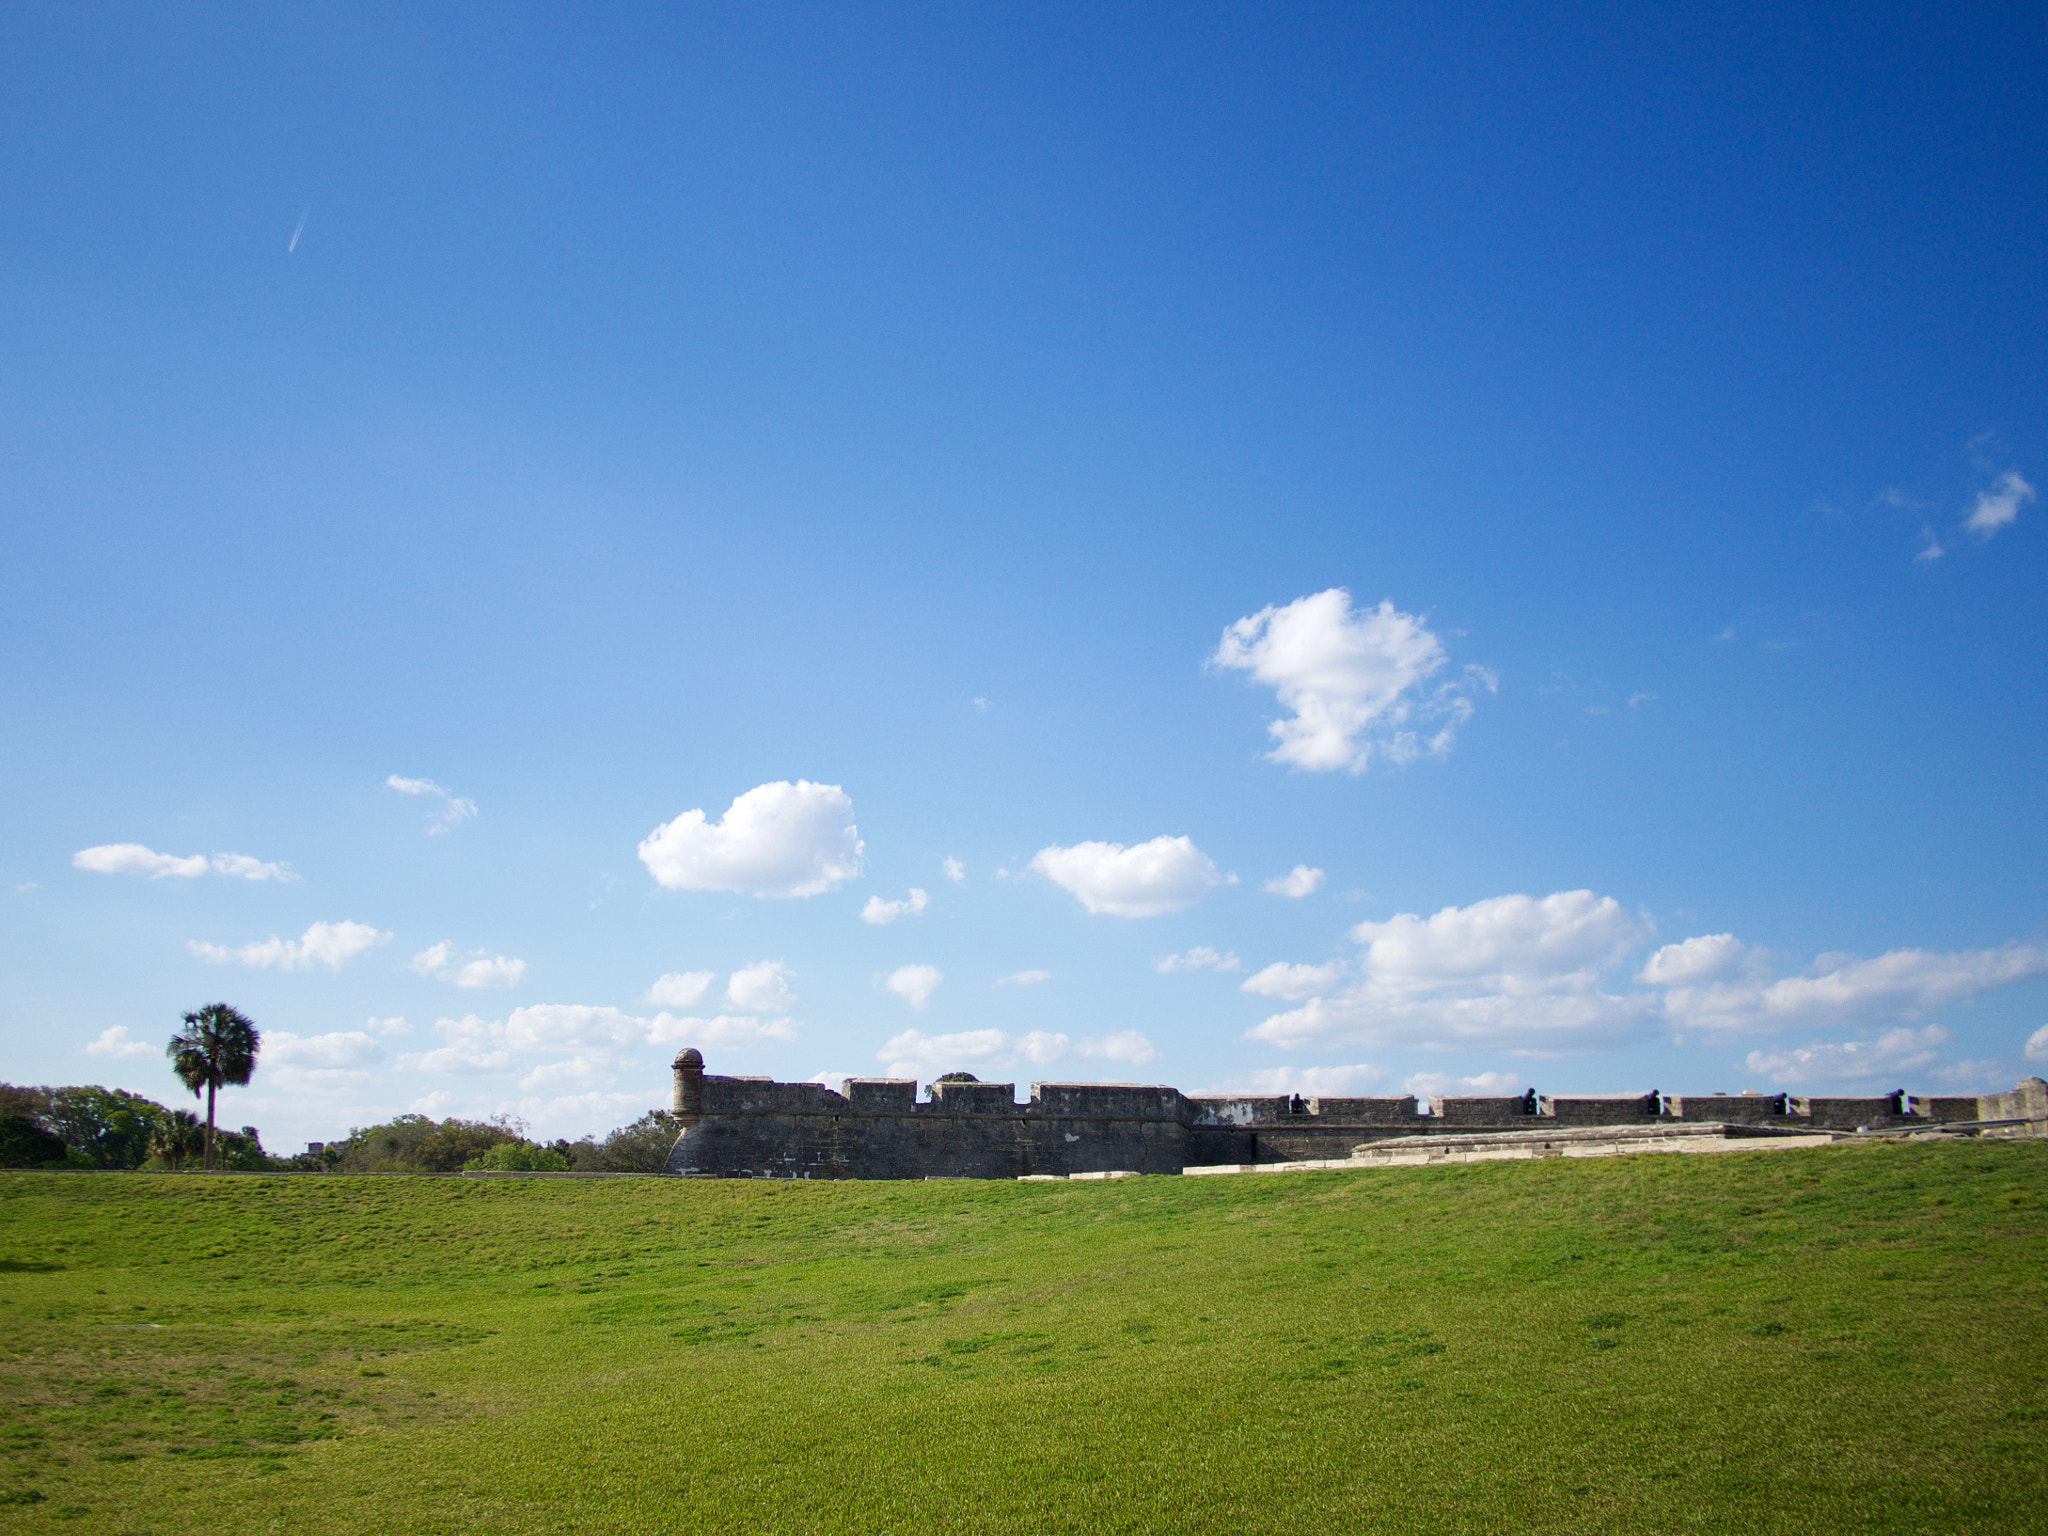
x,y
877,1128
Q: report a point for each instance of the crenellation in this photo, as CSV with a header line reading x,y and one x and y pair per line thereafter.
x,y
973,1099
1474,1109
1600,1108
1383,1111
876,1128
880,1095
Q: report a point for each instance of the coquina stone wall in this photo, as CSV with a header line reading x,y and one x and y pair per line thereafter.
x,y
878,1128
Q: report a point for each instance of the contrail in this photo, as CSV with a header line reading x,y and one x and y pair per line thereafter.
x,y
298,230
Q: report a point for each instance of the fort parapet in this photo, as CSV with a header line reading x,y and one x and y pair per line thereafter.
x,y
878,1128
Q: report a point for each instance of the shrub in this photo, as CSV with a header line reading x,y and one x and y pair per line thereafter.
x,y
519,1157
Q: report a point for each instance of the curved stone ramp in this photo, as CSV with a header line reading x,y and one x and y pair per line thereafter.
x,y
1589,1141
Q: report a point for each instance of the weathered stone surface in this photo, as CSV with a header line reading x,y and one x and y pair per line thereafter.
x,y
755,1127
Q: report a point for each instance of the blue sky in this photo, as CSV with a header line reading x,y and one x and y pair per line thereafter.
x,y
1604,441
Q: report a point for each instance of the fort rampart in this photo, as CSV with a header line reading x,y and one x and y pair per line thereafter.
x,y
878,1128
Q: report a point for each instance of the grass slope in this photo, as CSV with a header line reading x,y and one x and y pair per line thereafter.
x,y
1847,1339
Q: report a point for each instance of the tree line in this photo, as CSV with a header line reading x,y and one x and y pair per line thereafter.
x,y
87,1126
216,1048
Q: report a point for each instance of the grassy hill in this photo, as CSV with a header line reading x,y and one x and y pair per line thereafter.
x,y
1848,1339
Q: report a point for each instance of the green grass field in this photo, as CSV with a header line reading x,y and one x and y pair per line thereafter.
x,y
1848,1339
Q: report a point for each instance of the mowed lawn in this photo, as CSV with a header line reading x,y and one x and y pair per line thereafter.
x,y
1846,1339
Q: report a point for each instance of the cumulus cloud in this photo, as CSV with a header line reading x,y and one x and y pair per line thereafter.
x,y
328,944
1515,972
679,989
1839,990
880,912
724,1030
585,1042
1999,504
1355,681
1023,978
777,839
1298,882
391,1026
955,871
1849,1061
114,1044
1332,1082
1697,959
135,859
1429,1085
915,984
2037,1044
1200,958
479,968
1125,1045
762,987
916,1054
1519,945
1144,880
1294,982
452,810
305,1063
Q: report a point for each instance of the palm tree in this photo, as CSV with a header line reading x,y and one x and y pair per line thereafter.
x,y
216,1047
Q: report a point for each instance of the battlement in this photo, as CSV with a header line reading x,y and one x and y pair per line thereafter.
x,y
878,1128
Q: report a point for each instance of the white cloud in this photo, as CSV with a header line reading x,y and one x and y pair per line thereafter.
x,y
135,859
1332,1082
1541,1025
1294,982
679,989
1841,990
328,944
1999,504
390,1026
480,968
344,1048
318,1063
242,867
760,988
723,1029
1125,1045
453,812
1520,945
1849,1061
915,983
1200,958
1517,973
1355,681
462,1059
1144,880
1297,882
115,1044
1495,1085
572,1072
2037,1044
777,839
955,871
916,1054
492,971
1930,549
587,1042
880,912
433,960
1023,978
1698,959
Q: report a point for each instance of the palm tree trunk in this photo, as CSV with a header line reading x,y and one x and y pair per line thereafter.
x,y
207,1166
